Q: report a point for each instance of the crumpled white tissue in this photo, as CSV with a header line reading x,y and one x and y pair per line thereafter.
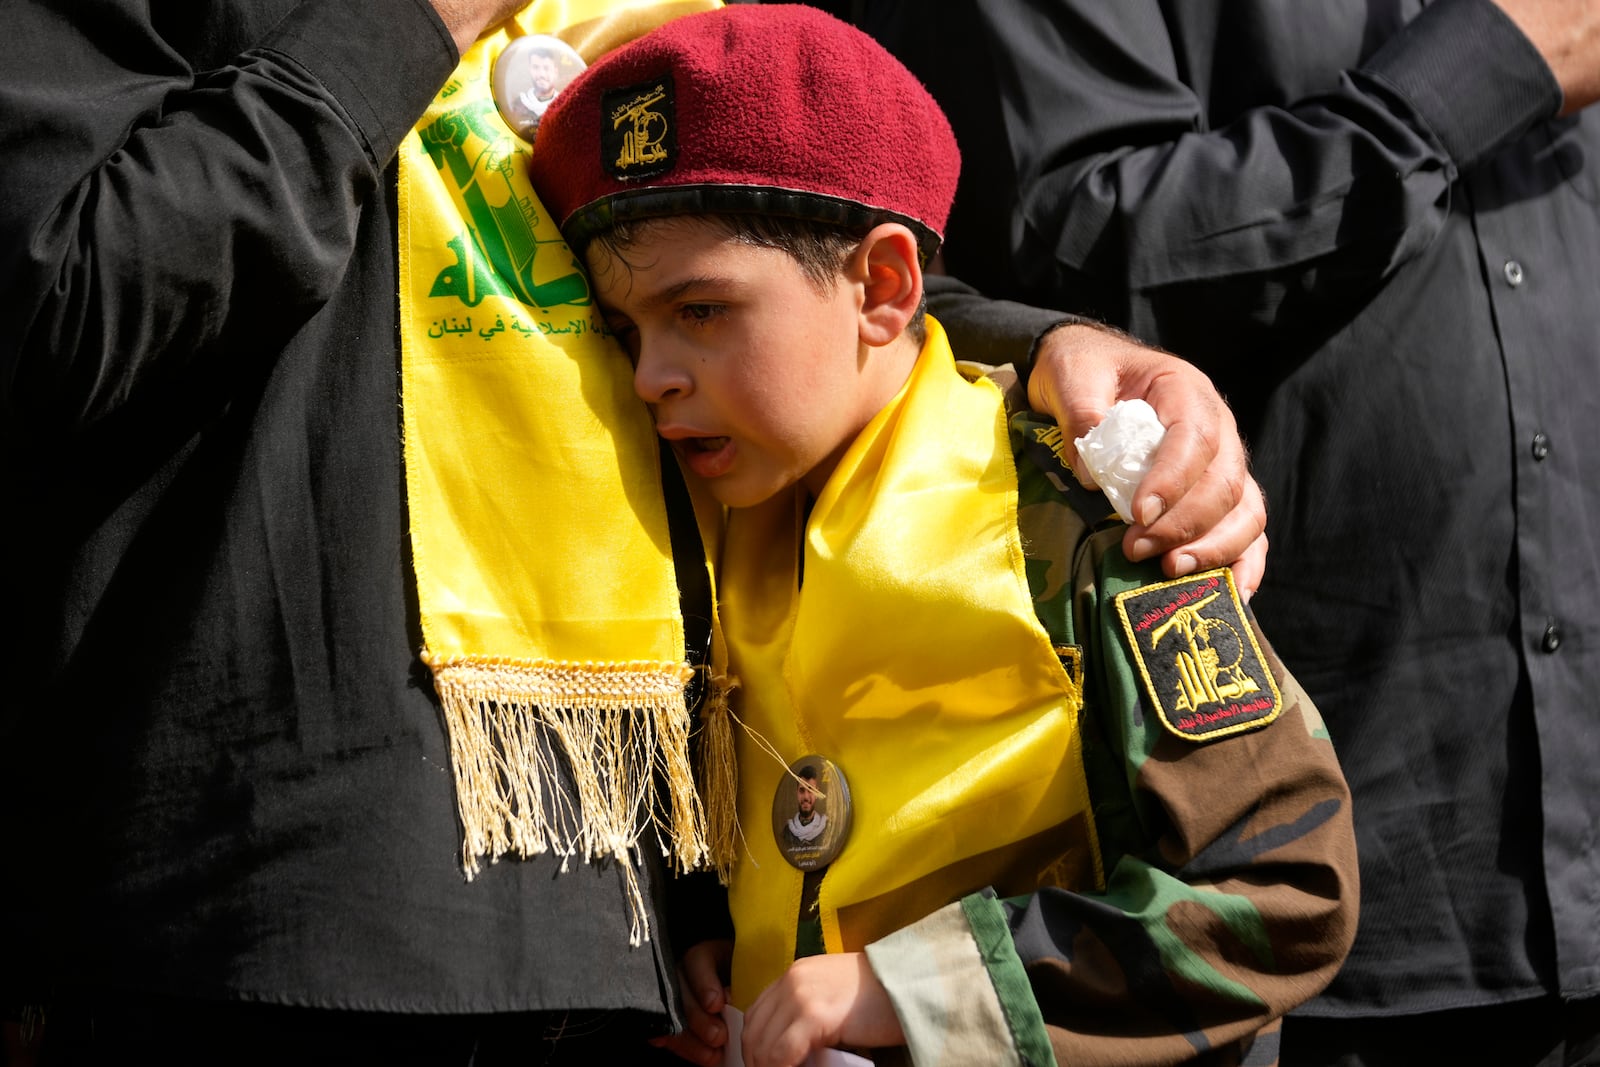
x,y
1117,452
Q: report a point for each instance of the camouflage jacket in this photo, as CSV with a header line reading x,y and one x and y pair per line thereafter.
x,y
1223,821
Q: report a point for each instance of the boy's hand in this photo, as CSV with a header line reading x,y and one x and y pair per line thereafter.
x,y
820,1002
1198,506
701,977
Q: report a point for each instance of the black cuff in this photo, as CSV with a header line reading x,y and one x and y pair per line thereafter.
x,y
383,62
1473,76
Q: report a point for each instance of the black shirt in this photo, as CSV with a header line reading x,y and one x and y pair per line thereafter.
x,y
222,768
1368,226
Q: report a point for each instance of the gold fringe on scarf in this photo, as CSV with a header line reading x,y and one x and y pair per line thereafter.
x,y
510,721
719,776
717,768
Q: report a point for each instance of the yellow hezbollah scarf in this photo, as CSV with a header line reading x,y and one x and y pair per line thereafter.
x,y
912,658
544,573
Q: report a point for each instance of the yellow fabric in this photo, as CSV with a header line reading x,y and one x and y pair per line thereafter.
x,y
911,657
544,574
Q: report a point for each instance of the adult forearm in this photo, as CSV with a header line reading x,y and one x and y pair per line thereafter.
x,y
468,19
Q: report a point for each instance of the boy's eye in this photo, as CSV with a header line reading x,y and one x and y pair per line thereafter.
x,y
700,312
627,336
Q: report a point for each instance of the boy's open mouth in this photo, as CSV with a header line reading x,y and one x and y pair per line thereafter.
x,y
708,457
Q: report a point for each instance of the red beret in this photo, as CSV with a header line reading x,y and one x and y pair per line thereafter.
x,y
770,109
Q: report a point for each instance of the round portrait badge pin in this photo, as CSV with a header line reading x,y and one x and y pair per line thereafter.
x,y
811,813
528,75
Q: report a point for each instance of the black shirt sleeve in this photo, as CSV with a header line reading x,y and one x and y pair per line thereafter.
x,y
1100,163
155,215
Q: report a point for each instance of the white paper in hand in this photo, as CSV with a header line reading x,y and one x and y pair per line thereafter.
x,y
733,1018
1117,452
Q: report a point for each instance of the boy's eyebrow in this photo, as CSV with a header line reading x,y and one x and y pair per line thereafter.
x,y
678,288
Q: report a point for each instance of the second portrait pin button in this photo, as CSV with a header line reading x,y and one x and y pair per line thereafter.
x,y
811,813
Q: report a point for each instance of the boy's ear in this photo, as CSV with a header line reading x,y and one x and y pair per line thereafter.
x,y
891,277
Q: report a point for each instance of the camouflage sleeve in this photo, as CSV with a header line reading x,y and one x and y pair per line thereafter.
x,y
1224,824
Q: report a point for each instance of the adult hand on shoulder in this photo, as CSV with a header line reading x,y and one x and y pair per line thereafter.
x,y
1198,506
701,977
467,20
820,1002
1567,35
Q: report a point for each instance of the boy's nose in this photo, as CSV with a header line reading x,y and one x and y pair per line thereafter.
x,y
656,379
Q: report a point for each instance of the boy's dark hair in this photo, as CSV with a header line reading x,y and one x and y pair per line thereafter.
x,y
820,249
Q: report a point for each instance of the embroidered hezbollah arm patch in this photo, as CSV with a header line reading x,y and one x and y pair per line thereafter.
x,y
1198,656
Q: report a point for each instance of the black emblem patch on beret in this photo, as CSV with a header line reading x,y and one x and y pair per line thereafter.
x,y
638,130
1198,656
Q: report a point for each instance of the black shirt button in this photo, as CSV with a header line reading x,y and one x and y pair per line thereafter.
x,y
1552,638
1541,446
1513,271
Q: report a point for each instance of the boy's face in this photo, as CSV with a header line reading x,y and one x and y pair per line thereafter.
x,y
752,373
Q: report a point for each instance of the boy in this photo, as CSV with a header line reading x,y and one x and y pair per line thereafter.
x,y
1075,810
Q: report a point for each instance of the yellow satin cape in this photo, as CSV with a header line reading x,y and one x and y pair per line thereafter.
x,y
912,658
545,582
